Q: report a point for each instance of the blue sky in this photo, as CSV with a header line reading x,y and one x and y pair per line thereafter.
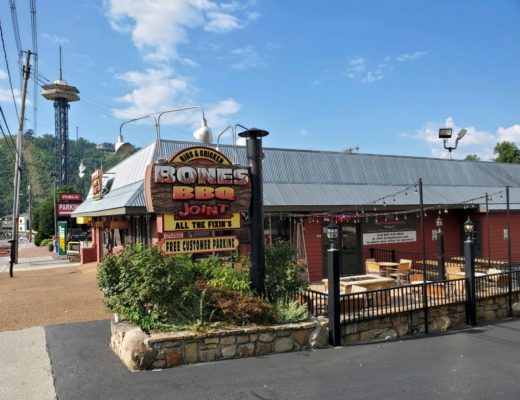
x,y
381,75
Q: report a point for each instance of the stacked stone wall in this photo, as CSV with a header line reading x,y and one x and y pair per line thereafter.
x,y
164,350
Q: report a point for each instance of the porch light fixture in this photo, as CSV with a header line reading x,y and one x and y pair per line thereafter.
x,y
439,223
332,232
469,228
202,134
445,134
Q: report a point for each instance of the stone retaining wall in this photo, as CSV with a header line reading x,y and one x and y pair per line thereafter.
x,y
440,319
139,350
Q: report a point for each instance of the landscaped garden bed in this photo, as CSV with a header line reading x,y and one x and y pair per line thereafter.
x,y
173,310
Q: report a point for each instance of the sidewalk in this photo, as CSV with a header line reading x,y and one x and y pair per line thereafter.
x,y
31,257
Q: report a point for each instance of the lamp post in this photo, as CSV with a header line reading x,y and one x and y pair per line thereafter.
x,y
469,268
255,155
203,133
440,248
445,134
55,176
234,133
333,269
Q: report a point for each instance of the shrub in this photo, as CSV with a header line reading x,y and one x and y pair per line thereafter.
x,y
38,238
282,272
234,307
147,288
289,311
173,292
50,246
226,277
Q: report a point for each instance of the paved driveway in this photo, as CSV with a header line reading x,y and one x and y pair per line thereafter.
x,y
480,363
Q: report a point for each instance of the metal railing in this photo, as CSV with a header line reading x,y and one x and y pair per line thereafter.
x,y
391,301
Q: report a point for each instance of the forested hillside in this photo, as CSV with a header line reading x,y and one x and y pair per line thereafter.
x,y
38,164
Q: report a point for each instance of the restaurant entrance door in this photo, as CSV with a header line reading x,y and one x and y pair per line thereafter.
x,y
350,248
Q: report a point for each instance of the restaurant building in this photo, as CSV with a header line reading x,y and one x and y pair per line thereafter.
x,y
375,199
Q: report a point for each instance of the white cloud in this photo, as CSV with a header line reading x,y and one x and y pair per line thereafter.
x,y
479,142
158,27
3,74
221,22
511,134
153,90
359,70
246,58
412,56
218,114
7,97
362,70
56,39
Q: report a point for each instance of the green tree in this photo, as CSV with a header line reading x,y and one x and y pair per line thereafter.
x,y
507,152
472,157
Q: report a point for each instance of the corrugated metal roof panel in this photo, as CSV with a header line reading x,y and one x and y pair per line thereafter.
x,y
318,178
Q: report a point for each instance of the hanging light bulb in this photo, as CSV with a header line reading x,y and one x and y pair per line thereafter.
x,y
416,191
394,199
405,217
397,217
384,203
375,220
406,193
501,195
446,211
425,214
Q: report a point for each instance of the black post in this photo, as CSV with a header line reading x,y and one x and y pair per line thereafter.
x,y
509,275
469,268
12,259
440,255
255,156
334,302
425,285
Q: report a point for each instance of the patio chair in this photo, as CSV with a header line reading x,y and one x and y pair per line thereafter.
x,y
499,280
373,268
354,302
402,272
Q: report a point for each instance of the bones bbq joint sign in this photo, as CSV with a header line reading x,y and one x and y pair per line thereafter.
x,y
197,183
198,189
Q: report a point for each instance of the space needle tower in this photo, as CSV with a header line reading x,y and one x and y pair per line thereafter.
x,y
62,94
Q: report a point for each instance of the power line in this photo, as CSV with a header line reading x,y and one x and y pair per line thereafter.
x,y
9,144
16,31
8,71
34,32
7,126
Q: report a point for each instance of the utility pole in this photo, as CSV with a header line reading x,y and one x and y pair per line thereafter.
x,y
30,213
17,166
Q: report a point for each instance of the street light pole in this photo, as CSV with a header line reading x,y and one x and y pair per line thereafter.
x,y
469,269
255,155
55,177
203,133
17,166
445,133
333,271
440,249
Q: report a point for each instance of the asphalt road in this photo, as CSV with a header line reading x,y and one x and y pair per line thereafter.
x,y
479,363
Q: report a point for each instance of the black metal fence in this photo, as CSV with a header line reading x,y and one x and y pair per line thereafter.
x,y
391,301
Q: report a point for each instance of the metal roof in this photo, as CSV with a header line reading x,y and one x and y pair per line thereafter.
x,y
309,179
